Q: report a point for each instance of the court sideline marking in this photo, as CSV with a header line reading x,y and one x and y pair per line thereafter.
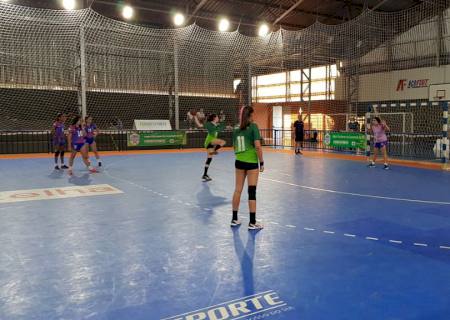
x,y
356,194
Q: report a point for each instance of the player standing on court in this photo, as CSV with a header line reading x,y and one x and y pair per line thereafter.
x,y
59,140
249,162
299,129
91,134
77,144
379,129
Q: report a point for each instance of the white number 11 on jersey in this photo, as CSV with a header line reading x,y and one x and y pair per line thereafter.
x,y
240,144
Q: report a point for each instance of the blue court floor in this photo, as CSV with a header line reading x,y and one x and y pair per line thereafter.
x,y
341,241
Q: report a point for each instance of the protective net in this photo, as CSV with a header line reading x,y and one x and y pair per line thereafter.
x,y
55,61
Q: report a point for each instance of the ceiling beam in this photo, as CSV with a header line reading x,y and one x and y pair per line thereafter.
x,y
296,10
197,8
379,4
288,11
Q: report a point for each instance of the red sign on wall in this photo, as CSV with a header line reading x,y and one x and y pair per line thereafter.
x,y
411,84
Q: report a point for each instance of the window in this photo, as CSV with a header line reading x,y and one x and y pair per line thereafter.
x,y
295,85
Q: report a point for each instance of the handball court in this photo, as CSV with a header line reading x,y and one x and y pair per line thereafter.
x,y
145,238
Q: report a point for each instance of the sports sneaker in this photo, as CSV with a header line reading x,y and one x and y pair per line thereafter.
x,y
371,165
235,223
255,226
386,167
93,170
56,167
206,178
64,167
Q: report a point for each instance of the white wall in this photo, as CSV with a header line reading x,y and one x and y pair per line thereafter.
x,y
383,86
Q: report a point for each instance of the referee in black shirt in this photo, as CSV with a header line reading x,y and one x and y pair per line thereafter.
x,y
299,128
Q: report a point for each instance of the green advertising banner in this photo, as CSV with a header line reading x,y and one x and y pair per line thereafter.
x,y
156,138
345,140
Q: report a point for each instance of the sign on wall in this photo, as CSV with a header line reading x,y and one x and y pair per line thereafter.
x,y
345,140
152,125
405,84
156,138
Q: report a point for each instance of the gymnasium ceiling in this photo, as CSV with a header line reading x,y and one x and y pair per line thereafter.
x,y
244,15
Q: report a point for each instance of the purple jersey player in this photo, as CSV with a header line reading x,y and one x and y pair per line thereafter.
x,y
91,134
59,140
77,143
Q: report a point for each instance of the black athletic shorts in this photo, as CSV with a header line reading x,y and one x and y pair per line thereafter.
x,y
299,137
210,146
245,165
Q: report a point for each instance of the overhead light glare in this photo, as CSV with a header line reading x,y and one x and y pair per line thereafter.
x,y
179,19
127,12
68,4
263,30
224,24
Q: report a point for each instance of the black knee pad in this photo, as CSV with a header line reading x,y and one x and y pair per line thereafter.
x,y
208,161
251,192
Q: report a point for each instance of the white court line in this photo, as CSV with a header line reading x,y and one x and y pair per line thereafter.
x,y
420,244
312,229
358,194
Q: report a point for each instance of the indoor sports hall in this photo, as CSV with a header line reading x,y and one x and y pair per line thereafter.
x,y
221,160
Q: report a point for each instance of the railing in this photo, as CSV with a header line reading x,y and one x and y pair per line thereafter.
x,y
404,145
14,142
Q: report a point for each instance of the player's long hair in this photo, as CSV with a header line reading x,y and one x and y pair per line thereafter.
x,y
211,117
86,118
75,120
246,114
